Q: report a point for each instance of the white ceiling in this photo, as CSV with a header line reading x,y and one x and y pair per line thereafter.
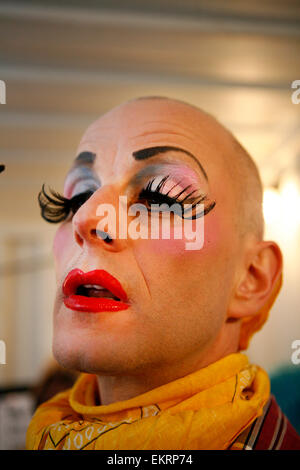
x,y
64,63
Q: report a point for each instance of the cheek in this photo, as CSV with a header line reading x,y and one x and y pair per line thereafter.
x,y
168,261
166,247
188,279
212,233
62,244
212,237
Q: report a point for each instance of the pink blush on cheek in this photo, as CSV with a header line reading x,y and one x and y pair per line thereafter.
x,y
166,247
177,247
172,246
62,242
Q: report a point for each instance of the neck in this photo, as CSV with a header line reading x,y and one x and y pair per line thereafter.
x,y
113,388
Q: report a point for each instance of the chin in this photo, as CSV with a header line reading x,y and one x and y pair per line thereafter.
x,y
77,361
91,358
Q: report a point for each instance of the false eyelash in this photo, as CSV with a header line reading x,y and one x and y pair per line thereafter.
x,y
56,208
156,196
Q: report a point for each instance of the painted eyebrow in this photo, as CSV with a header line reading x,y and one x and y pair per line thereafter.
x,y
84,158
83,161
152,151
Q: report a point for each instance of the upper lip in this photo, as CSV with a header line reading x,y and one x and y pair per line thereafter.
x,y
99,277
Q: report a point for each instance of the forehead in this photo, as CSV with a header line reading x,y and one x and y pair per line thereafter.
x,y
152,120
157,122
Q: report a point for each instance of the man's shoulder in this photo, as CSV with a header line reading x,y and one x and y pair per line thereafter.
x,y
270,431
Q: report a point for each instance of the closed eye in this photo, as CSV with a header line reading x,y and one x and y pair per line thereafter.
x,y
155,195
56,208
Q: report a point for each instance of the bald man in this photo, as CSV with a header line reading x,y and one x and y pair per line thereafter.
x,y
156,329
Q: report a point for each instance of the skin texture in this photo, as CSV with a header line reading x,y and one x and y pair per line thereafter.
x,y
185,306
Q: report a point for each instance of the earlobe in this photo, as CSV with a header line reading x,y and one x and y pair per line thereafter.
x,y
263,269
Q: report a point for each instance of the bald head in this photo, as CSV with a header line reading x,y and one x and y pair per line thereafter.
x,y
248,189
190,294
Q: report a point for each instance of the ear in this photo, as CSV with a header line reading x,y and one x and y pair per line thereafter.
x,y
262,269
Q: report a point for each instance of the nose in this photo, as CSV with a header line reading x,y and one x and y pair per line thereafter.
x,y
88,228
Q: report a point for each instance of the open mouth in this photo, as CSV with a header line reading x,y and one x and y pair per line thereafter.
x,y
95,291
90,290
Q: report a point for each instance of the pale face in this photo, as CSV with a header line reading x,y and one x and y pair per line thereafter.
x,y
178,298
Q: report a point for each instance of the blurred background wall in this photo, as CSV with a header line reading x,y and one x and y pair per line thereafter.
x,y
66,62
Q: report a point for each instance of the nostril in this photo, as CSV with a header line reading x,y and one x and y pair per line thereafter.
x,y
103,235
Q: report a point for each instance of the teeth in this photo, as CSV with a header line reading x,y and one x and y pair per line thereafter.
x,y
94,290
93,286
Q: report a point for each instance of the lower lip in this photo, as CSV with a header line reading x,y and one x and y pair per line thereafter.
x,y
81,303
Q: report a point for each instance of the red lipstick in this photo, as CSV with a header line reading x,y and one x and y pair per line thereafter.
x,y
95,291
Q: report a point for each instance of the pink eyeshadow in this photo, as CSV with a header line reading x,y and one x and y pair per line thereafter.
x,y
185,176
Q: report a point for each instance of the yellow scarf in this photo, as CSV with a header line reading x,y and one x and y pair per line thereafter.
x,y
207,409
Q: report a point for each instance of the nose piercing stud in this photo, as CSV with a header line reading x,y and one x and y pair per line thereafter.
x,y
105,237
